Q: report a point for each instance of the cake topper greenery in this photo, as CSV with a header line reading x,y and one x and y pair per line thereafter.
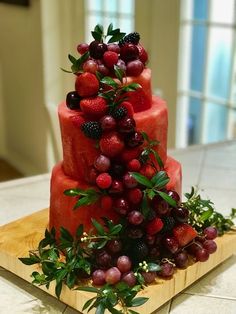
x,y
154,232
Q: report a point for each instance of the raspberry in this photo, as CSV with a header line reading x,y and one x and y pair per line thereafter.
x,y
119,113
111,144
95,107
104,180
92,129
135,196
110,58
154,226
87,84
106,202
132,38
134,165
169,223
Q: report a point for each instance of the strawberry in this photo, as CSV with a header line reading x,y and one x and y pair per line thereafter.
x,y
110,58
87,84
184,233
130,153
111,144
148,171
104,180
154,226
94,107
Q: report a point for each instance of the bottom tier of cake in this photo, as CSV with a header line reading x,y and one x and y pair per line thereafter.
x,y
61,206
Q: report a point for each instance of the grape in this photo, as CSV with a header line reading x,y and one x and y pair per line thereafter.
x,y
108,123
97,49
134,68
98,277
117,170
210,233
129,181
180,214
114,48
114,246
102,163
134,140
90,66
181,259
210,246
150,239
171,244
112,275
116,187
135,217
201,255
103,259
149,276
121,65
193,247
82,48
124,263
174,195
129,278
126,125
135,233
129,52
167,270
121,206
161,206
103,69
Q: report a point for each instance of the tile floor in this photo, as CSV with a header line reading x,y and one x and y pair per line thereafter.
x,y
212,168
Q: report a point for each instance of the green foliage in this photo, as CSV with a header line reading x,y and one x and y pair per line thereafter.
x,y
113,34
148,152
86,197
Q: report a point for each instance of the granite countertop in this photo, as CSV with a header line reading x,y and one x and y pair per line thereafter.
x,y
212,168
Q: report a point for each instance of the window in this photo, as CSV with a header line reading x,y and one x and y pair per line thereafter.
x,y
206,91
104,12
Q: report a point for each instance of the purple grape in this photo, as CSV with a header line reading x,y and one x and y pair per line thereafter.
x,y
112,275
181,259
210,233
114,246
124,263
129,181
134,68
98,277
129,278
149,276
108,123
210,246
102,163
171,244
180,214
135,217
201,255
103,259
167,270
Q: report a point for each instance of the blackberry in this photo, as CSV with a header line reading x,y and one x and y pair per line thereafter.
x,y
73,100
92,129
132,38
119,113
138,251
169,223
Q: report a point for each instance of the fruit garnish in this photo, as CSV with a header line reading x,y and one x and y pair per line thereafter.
x,y
92,129
87,84
132,38
73,100
114,34
184,233
111,144
94,107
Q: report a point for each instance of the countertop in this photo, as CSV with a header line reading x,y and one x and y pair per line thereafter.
x,y
211,167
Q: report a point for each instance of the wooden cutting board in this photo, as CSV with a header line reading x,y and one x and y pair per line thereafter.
x,y
22,235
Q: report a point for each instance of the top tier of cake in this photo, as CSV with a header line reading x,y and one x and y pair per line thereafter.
x,y
150,114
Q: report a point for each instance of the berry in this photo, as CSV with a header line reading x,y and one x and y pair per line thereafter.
x,y
135,196
97,49
210,246
113,47
102,163
134,165
98,277
149,276
126,125
111,144
154,226
181,259
129,278
180,214
119,113
103,70
110,58
148,171
117,170
134,68
104,180
82,48
201,255
143,56
167,270
116,187
124,263
108,123
194,247
112,275
121,206
135,217
132,38
90,66
103,259
106,202
135,233
128,105
184,233
129,181
94,107
134,140
160,206
114,246
168,222
171,244
92,129
87,84
150,239
130,153
210,233
121,64
174,195
73,100
129,52
138,250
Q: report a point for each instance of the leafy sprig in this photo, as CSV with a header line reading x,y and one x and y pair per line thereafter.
x,y
86,197
149,151
113,34
77,64
203,213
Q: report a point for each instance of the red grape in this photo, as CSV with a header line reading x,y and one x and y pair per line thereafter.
x,y
129,181
129,278
210,246
171,244
121,206
114,246
135,217
90,66
181,259
210,233
102,163
167,270
124,263
98,277
112,275
103,259
134,68
116,187
82,48
201,255
149,276
108,123
180,214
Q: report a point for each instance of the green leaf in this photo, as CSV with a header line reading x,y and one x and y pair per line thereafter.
x,y
167,198
72,192
113,310
154,267
65,235
132,312
145,136
139,301
86,200
109,81
79,231
116,37
131,87
100,309
70,280
30,260
109,29
88,303
101,244
72,59
96,36
158,158
151,193
206,214
99,29
119,73
98,227
88,289
141,179
160,179
58,289
145,209
115,229
67,71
